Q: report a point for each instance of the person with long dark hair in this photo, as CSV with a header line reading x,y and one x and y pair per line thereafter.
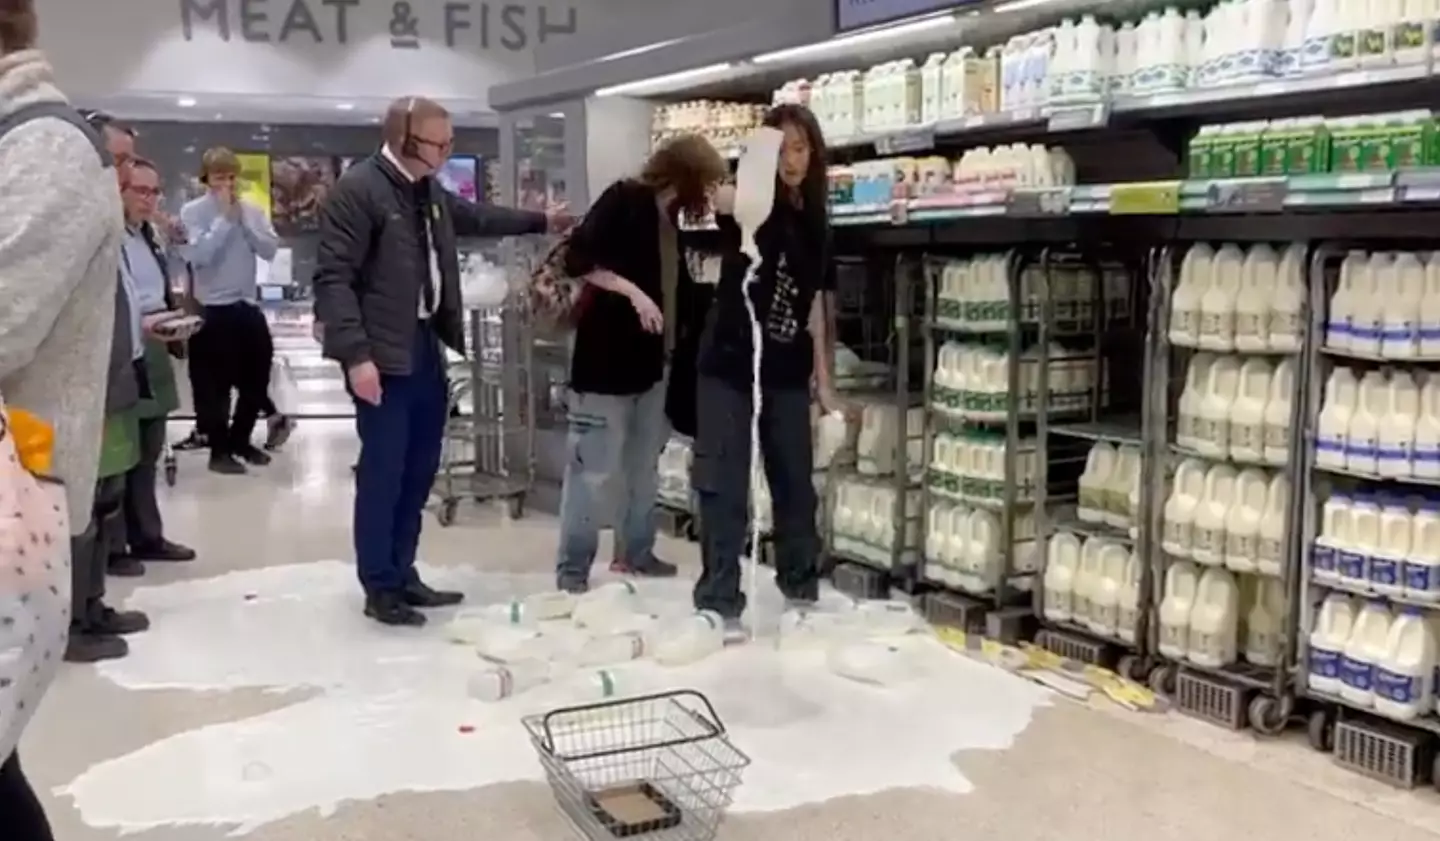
x,y
789,298
633,323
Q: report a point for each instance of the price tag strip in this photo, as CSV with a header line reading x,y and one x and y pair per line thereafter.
x,y
1262,195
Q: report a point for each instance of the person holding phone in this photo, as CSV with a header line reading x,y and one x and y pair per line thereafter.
x,y
147,267
224,237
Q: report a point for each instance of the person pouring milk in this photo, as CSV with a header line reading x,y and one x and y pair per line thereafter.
x,y
793,272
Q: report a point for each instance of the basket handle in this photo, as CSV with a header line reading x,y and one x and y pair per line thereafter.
x,y
712,725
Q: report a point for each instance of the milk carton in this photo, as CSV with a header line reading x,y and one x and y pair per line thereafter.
x,y
1213,432
1397,526
1195,275
1182,581
1395,449
1186,490
1270,559
1258,279
1277,414
1247,413
1354,563
1402,308
1217,305
1337,528
1364,650
1062,563
1404,677
1333,626
1215,620
1421,568
1362,446
1333,428
1197,377
1215,501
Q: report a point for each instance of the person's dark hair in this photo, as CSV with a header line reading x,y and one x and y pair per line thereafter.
x,y
690,165
815,189
18,26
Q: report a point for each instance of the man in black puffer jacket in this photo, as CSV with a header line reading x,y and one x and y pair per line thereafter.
x,y
387,289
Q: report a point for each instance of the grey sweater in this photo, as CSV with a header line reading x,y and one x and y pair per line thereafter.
x,y
60,233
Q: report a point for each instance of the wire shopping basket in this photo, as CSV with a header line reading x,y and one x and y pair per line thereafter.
x,y
653,768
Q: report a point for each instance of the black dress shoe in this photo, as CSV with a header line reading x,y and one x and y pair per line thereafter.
x,y
124,566
165,550
107,621
420,594
251,454
226,464
87,647
278,429
391,609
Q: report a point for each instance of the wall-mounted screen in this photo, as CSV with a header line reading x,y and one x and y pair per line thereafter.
x,y
298,186
460,175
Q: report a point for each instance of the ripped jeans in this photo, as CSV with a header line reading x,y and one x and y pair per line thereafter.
x,y
611,478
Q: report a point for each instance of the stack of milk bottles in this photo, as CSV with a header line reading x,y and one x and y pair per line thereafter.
x,y
1374,658
1386,305
1379,543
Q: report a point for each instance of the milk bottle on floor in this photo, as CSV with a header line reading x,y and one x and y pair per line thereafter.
x,y
1422,566
690,639
1334,623
1404,676
1363,651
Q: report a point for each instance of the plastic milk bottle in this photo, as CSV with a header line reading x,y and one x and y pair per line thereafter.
x,y
1217,305
1270,558
1354,564
1215,621
1429,331
1395,450
1209,547
1242,521
1264,624
1337,528
1188,486
1362,447
1197,376
1277,414
1397,528
1365,649
1061,564
1287,305
1213,437
1333,626
1402,307
1404,677
1247,414
1422,566
1333,432
1195,271
1182,581
1258,280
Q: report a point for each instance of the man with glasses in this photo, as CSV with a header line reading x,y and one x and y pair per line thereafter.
x,y
387,289
145,262
225,236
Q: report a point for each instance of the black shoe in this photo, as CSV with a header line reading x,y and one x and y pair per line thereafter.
x,y
88,647
226,464
650,567
193,441
124,566
119,623
391,609
165,551
253,455
420,594
278,431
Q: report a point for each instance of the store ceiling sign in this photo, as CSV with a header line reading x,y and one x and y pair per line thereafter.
x,y
857,14
511,27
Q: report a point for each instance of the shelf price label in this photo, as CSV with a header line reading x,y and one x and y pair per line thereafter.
x,y
1077,118
915,140
1146,198
1053,201
1263,195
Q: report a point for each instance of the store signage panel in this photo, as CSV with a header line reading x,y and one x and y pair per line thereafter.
x,y
460,24
857,14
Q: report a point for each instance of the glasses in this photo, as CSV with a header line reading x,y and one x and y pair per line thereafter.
x,y
144,192
439,145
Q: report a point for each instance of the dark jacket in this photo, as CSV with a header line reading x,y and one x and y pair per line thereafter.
x,y
373,258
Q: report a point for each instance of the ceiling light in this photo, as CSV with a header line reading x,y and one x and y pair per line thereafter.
x,y
186,102
868,36
556,115
641,50
655,83
345,106
1017,5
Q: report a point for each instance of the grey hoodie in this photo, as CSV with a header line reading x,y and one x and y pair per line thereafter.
x,y
59,257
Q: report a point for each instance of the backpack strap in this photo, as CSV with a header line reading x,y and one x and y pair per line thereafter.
x,y
60,111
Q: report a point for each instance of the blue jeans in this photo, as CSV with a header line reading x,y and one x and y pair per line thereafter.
x,y
610,477
400,442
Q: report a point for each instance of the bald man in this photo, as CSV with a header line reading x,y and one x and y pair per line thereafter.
x,y
387,289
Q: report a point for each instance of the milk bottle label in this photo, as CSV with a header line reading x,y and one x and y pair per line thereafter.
x,y
1350,565
1402,689
1363,449
1208,542
1324,559
1059,603
1241,546
1418,577
1175,636
1400,333
1215,432
1277,436
1178,537
1267,553
1284,324
1330,449
1325,662
1246,437
1357,674
1384,570
1249,328
1427,460
1394,458
1184,323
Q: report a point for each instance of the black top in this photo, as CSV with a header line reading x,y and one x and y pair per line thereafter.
x,y
613,354
794,265
373,261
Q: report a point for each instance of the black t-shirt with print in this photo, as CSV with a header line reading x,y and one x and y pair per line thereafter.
x,y
794,266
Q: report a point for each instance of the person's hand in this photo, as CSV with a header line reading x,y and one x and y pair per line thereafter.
x,y
150,324
365,382
651,318
830,401
723,200
558,219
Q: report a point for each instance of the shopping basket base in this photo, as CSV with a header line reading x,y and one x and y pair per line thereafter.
x,y
634,809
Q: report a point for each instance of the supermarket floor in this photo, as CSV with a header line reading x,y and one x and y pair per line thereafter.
x,y
207,729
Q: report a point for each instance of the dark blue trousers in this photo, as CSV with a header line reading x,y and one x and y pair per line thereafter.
x,y
400,442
